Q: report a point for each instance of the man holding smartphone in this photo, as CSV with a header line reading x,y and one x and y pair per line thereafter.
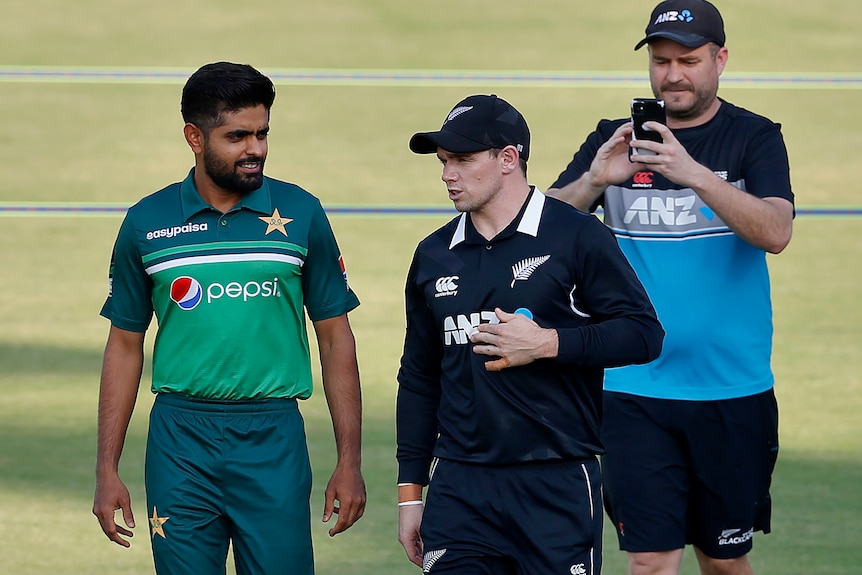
x,y
691,437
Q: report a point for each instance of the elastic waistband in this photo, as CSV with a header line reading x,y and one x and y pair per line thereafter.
x,y
180,401
523,465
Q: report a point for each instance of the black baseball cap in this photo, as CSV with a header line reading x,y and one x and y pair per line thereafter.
x,y
477,123
691,23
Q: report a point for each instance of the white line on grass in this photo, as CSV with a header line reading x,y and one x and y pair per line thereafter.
x,y
413,78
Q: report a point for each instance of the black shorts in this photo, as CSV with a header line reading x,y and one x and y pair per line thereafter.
x,y
697,472
513,520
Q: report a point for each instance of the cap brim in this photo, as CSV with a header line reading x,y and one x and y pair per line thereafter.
x,y
688,40
428,142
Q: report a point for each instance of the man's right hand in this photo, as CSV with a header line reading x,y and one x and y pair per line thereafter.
x,y
409,519
611,164
111,495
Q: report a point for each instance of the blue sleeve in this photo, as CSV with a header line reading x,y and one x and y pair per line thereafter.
x,y
624,328
129,305
324,277
418,386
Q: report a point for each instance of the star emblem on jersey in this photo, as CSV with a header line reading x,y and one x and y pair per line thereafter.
x,y
157,524
522,270
275,222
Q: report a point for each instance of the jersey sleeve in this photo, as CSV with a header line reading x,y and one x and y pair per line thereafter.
x,y
324,277
418,386
625,329
129,305
766,168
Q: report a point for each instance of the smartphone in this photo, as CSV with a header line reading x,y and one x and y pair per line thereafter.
x,y
646,110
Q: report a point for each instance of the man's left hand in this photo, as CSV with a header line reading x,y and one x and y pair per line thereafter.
x,y
672,160
516,340
345,497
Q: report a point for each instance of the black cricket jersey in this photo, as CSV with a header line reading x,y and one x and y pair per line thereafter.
x,y
565,267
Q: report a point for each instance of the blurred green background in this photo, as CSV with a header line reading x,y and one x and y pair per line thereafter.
x,y
111,142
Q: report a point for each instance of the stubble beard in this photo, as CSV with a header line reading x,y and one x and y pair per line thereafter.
x,y
703,97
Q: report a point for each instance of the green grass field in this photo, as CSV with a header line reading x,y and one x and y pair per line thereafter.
x,y
111,142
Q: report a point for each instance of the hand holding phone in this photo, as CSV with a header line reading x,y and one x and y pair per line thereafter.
x,y
646,110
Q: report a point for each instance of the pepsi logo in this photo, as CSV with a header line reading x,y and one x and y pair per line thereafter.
x,y
186,292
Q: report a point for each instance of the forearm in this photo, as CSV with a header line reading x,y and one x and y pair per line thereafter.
x,y
342,389
416,434
118,390
409,493
632,339
345,493
582,193
766,223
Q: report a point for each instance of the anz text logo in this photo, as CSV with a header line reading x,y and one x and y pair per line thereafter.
x,y
457,330
665,211
446,285
674,16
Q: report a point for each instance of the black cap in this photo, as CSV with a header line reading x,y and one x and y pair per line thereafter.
x,y
477,123
691,23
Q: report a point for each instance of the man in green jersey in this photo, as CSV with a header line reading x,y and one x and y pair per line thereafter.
x,y
229,261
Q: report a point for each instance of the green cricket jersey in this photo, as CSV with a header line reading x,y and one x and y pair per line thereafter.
x,y
228,290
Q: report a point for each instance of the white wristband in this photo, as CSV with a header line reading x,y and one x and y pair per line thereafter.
x,y
405,503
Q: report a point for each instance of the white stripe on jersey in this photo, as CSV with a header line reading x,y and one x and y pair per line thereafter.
x,y
223,258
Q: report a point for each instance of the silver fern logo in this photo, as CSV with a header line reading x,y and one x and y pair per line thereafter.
x,y
457,112
525,268
430,558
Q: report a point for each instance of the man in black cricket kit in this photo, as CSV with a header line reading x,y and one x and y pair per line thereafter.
x,y
514,308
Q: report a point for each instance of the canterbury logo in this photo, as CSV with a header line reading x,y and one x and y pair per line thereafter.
x,y
446,286
643,178
457,112
430,558
525,268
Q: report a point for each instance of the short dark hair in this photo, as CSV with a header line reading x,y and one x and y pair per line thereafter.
x,y
223,87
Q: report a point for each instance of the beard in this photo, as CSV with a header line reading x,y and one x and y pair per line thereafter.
x,y
702,98
229,178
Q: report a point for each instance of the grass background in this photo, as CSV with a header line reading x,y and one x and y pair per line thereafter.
x,y
110,142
